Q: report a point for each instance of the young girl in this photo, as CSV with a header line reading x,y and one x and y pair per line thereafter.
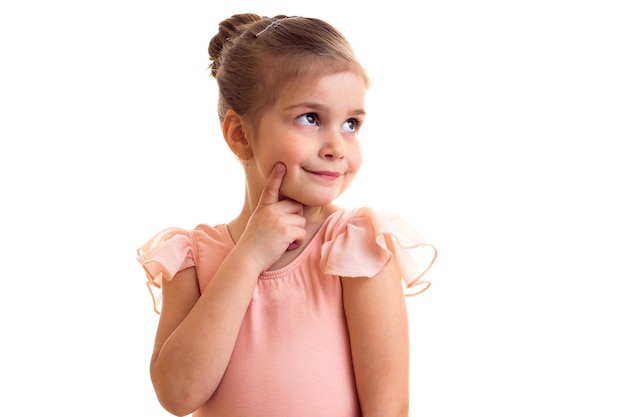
x,y
295,307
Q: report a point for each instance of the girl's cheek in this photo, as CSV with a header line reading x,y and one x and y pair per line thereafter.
x,y
356,159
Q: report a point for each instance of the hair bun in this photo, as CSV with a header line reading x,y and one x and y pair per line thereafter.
x,y
228,28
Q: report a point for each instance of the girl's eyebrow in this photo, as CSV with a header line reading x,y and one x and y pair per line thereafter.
x,y
308,105
317,106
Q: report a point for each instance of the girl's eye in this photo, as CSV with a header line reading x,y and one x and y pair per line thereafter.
x,y
309,119
351,125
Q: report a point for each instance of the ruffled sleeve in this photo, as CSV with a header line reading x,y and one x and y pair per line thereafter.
x,y
369,240
168,252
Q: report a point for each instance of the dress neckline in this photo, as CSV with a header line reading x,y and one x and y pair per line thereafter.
x,y
286,269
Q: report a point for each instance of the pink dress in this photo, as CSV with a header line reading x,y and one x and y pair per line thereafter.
x,y
292,356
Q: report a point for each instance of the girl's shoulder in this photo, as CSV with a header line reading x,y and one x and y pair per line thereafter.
x,y
169,248
371,222
174,249
361,241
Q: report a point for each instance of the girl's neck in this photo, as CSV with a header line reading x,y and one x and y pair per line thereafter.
x,y
318,214
314,216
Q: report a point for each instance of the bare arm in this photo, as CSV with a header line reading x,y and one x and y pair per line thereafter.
x,y
196,334
377,321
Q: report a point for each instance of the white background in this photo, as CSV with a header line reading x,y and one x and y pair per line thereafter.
x,y
496,127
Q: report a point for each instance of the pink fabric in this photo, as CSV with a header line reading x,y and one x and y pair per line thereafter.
x,y
292,356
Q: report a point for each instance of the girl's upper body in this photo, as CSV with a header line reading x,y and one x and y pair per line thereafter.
x,y
295,307
292,355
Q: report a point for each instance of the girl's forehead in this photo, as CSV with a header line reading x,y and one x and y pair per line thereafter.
x,y
343,92
310,82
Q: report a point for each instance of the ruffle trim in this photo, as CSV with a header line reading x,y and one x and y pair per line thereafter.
x,y
368,243
167,253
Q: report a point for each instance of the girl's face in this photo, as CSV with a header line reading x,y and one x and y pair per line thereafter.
x,y
312,128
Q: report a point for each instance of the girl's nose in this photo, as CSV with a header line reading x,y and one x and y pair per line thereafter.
x,y
332,147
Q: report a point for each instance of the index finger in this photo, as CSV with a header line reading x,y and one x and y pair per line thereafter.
x,y
272,186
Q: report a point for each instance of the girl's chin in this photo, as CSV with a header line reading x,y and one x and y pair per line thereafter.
x,y
315,197
312,202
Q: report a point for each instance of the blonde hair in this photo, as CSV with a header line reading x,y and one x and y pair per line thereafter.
x,y
253,57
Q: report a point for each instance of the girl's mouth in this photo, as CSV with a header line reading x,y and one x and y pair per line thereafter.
x,y
328,175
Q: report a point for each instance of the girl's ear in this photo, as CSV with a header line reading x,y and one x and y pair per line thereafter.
x,y
234,133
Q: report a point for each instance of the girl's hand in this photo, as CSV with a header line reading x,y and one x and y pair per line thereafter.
x,y
275,225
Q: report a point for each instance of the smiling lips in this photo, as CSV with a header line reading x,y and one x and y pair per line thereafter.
x,y
327,175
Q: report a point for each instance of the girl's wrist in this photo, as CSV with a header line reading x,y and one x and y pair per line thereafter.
x,y
246,259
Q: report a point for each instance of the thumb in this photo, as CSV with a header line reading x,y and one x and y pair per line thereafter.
x,y
272,186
